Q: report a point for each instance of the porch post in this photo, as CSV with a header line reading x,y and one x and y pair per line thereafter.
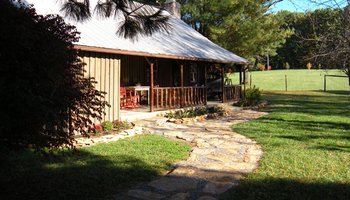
x,y
240,75
151,92
240,80
223,83
182,85
244,80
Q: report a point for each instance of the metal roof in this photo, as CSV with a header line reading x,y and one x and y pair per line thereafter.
x,y
181,41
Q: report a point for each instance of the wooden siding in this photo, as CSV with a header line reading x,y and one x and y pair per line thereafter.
x,y
105,68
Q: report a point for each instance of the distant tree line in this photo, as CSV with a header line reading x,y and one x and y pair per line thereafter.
x,y
321,38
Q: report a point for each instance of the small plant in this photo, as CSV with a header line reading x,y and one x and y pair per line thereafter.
x,y
252,97
319,66
194,112
107,125
98,129
121,125
309,66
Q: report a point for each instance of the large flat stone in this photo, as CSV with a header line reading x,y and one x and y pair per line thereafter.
x,y
144,195
206,198
180,196
217,188
172,184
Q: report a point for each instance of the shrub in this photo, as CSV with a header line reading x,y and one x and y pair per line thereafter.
x,y
107,126
44,97
98,129
252,97
193,112
121,125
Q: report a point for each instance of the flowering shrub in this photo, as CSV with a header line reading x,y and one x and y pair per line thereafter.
x,y
98,129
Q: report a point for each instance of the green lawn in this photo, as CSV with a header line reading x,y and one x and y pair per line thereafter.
x,y
306,144
97,172
297,80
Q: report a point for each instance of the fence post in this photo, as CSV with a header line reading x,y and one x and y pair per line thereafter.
x,y
325,83
286,82
250,81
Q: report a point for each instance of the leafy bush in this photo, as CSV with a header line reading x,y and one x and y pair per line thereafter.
x,y
44,97
252,97
121,125
107,126
98,129
193,112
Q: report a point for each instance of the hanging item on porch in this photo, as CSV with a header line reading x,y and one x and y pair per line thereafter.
x,y
193,72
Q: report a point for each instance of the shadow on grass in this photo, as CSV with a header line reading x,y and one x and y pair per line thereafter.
x,y
70,176
304,103
338,92
283,189
314,125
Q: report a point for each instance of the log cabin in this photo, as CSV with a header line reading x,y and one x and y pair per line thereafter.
x,y
166,70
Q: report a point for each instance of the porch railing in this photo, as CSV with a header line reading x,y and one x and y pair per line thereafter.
x,y
232,93
175,97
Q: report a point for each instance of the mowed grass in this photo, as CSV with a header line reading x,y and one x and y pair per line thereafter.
x,y
297,80
306,145
96,172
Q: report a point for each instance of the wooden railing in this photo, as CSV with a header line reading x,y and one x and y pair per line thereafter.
x,y
232,93
175,97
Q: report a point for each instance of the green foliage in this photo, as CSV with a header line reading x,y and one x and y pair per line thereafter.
x,y
320,36
193,112
98,172
107,126
134,19
44,97
244,27
121,125
252,97
293,50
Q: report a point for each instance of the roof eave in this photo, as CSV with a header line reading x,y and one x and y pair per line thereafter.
x,y
145,54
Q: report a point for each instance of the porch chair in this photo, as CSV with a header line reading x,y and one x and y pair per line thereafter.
x,y
128,99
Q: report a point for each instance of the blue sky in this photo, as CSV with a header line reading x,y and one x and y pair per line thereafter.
x,y
295,5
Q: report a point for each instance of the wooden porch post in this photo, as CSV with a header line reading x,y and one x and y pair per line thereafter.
x,y
151,92
244,81
182,85
240,80
240,75
223,83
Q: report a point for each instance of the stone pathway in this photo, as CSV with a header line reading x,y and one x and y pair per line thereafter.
x,y
218,160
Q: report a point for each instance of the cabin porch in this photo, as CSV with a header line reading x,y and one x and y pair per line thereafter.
x,y
164,84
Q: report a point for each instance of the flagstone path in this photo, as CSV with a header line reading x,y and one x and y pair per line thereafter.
x,y
218,160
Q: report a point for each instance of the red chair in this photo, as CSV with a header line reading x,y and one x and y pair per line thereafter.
x,y
128,98
123,98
